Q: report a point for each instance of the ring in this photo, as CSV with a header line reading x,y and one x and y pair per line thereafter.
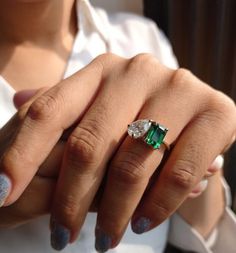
x,y
149,131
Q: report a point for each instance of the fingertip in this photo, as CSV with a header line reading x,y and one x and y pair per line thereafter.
x,y
199,189
141,225
23,96
103,241
217,164
60,236
5,188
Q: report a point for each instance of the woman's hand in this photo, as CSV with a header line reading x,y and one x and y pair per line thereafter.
x,y
36,200
201,122
40,191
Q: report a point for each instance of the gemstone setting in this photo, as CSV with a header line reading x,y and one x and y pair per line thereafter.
x,y
149,131
139,128
156,135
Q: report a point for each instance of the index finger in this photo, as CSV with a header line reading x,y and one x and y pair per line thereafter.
x,y
38,132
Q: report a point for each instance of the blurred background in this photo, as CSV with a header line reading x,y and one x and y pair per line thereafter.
x,y
203,36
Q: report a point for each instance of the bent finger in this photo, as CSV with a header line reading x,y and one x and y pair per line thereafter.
x,y
88,150
47,117
195,150
134,164
38,194
216,165
22,97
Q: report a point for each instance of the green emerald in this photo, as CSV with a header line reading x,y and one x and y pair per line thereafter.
x,y
156,135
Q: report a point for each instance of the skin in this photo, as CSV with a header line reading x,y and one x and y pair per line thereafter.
x,y
86,156
96,148
40,190
24,32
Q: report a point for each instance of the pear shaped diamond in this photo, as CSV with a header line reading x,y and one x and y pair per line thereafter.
x,y
139,128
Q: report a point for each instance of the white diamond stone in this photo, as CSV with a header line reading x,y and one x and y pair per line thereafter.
x,y
139,128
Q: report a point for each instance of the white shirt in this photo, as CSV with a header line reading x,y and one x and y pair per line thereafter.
x,y
125,35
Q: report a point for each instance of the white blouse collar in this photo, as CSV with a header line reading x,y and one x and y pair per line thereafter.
x,y
89,20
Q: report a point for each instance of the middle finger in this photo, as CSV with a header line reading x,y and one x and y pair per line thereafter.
x,y
134,163
89,149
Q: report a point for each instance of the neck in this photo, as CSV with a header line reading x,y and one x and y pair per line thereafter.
x,y
36,21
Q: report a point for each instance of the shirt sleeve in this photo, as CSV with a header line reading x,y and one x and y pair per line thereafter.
x,y
222,239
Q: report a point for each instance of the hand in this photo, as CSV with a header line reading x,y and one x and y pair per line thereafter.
x,y
40,190
20,212
34,202
202,123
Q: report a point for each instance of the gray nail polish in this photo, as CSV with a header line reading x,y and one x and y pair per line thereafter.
x,y
5,185
103,242
141,225
60,236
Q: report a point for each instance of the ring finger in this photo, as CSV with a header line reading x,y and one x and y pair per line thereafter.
x,y
134,163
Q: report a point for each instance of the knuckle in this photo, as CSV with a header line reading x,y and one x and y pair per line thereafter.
x,y
129,170
12,160
179,78
142,62
44,108
184,175
67,209
222,103
142,70
84,146
106,56
221,110
107,59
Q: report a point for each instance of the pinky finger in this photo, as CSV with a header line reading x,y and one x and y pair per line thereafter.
x,y
39,194
216,166
184,169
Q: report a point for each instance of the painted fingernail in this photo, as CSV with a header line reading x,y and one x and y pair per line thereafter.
x,y
141,225
103,242
5,186
217,164
60,236
199,189
203,184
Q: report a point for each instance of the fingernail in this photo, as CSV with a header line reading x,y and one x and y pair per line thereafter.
x,y
203,185
5,185
103,242
199,189
60,236
141,225
217,164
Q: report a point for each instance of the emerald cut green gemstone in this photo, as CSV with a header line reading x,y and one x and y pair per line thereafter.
x,y
155,135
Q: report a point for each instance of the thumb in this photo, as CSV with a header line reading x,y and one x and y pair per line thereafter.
x,y
22,97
